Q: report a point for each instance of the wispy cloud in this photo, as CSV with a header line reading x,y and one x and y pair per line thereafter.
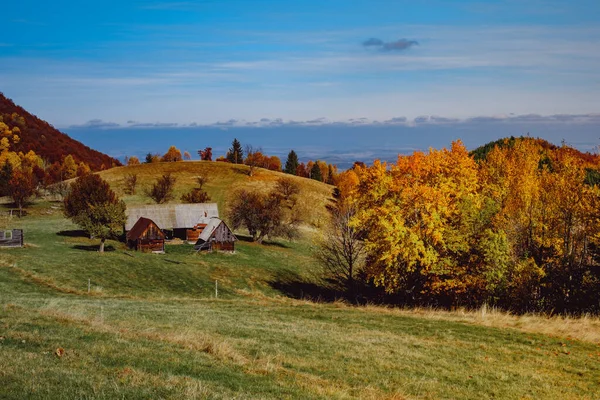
x,y
96,124
398,45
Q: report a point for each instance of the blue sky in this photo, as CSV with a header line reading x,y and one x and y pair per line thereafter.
x,y
317,62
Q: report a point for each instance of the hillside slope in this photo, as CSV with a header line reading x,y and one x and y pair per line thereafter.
x,y
50,143
482,152
75,324
224,180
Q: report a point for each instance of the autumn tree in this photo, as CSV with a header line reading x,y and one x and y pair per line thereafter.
x,y
172,155
254,159
133,160
287,188
93,206
6,173
21,188
262,214
197,194
130,183
291,164
341,249
69,167
426,229
302,171
187,155
83,168
162,190
235,155
206,154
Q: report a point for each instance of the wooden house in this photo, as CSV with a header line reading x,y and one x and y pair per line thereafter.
x,y
216,236
183,221
11,238
145,235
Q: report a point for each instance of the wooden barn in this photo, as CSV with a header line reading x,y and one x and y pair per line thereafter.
x,y
145,235
216,236
11,238
183,221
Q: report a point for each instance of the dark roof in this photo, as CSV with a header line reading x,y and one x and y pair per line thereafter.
x,y
140,227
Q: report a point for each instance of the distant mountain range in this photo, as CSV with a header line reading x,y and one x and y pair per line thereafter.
x,y
51,144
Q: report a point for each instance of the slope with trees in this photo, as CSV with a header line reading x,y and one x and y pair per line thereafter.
x,y
42,138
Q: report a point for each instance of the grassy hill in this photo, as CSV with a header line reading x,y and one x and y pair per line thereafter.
x,y
223,181
140,326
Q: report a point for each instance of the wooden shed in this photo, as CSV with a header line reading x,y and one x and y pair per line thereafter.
x,y
145,235
11,238
216,236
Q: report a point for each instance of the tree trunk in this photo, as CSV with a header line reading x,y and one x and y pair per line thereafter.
x,y
101,250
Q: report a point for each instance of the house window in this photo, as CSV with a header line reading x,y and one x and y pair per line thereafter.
x,y
8,235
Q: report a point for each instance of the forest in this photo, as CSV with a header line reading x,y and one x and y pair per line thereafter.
x,y
518,229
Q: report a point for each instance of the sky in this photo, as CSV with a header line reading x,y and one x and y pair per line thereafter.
x,y
455,66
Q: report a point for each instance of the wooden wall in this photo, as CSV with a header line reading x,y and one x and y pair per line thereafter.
x,y
14,238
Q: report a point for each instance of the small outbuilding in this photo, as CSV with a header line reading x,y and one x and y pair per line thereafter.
x,y
145,235
11,238
216,236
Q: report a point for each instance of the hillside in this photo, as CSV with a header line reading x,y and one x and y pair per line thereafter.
x,y
48,142
223,181
76,324
482,152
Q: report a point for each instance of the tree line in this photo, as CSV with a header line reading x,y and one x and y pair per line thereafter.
x,y
517,229
253,157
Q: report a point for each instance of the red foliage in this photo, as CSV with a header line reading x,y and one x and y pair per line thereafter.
x,y
48,142
206,154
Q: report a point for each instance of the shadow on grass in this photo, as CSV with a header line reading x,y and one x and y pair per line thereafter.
x,y
73,233
93,247
293,285
248,239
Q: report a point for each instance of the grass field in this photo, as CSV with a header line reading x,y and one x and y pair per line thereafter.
x,y
223,181
151,327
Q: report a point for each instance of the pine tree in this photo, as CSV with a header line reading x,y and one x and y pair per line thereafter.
x,y
292,163
235,155
315,172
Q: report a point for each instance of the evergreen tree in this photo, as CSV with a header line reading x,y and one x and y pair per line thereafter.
x,y
315,172
235,155
292,163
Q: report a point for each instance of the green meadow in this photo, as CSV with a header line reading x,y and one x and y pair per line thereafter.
x,y
76,324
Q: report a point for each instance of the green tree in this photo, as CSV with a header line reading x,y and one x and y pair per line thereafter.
x,y
315,172
291,165
235,155
93,206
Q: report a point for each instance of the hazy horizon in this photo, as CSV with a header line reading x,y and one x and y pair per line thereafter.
x,y
338,144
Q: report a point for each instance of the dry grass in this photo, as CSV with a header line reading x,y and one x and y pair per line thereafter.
x,y
223,180
585,328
